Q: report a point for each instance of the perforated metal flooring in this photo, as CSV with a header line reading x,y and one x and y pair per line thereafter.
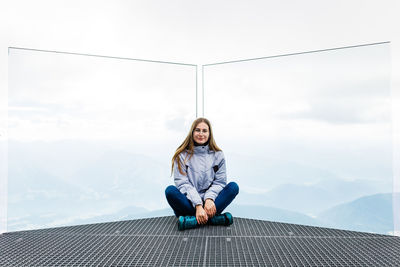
x,y
157,242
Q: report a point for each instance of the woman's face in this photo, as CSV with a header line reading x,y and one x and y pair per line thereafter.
x,y
201,133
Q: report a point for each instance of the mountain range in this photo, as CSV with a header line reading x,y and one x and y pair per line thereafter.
x,y
46,191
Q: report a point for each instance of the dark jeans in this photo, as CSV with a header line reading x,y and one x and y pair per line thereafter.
x,y
183,207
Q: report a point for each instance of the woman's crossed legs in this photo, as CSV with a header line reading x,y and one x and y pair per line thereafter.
x,y
183,207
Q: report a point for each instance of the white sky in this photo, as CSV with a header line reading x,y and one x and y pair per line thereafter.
x,y
334,90
59,96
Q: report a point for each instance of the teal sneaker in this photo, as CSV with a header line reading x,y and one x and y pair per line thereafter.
x,y
187,222
222,219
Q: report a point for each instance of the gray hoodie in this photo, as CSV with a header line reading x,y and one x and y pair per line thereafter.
x,y
205,174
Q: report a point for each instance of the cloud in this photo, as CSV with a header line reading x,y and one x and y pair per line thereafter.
x,y
343,110
347,86
65,96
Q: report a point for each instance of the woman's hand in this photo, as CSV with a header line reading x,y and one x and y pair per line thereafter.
x,y
210,208
201,215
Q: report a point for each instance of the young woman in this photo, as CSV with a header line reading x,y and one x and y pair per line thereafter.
x,y
201,192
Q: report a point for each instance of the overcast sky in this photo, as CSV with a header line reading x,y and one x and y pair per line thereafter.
x,y
335,102
57,96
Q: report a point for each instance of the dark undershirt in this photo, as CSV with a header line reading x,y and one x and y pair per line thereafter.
x,y
197,144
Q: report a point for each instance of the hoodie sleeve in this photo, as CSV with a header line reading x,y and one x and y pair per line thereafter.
x,y
184,185
220,179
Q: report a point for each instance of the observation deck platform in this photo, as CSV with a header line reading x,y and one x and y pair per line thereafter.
x,y
157,242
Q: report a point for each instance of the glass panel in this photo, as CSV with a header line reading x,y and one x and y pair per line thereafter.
x,y
3,159
307,136
91,138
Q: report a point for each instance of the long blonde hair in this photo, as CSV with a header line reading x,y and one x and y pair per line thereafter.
x,y
188,144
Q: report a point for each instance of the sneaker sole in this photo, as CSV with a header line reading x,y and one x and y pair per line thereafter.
x,y
181,223
228,218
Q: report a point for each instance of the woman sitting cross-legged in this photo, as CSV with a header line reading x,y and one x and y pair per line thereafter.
x,y
201,192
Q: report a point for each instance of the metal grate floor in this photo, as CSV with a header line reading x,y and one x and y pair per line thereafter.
x,y
157,242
